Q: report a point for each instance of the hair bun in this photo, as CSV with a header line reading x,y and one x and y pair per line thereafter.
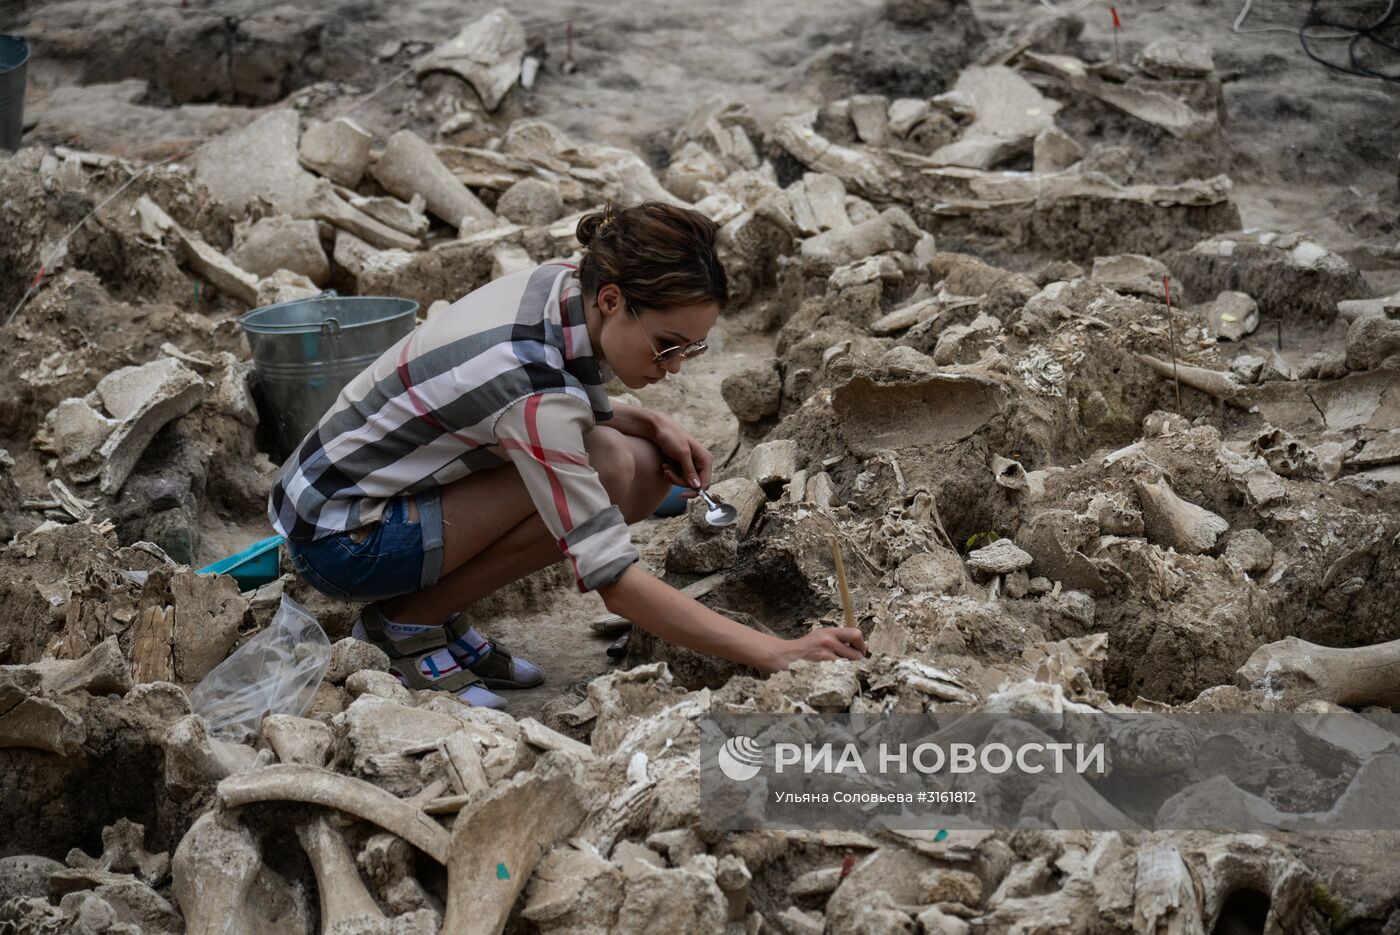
x,y
594,225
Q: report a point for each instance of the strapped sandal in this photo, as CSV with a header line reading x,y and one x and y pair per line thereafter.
x,y
422,662
497,668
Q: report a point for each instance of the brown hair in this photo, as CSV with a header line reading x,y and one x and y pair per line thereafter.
x,y
660,255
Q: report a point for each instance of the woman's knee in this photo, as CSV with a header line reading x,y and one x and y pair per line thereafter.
x,y
611,456
648,481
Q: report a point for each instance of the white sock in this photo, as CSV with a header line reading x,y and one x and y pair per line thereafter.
x,y
469,648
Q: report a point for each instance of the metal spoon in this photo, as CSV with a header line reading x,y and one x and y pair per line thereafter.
x,y
718,514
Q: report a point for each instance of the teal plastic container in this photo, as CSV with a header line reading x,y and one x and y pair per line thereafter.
x,y
251,568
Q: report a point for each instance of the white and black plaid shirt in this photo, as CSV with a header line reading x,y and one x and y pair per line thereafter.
x,y
506,373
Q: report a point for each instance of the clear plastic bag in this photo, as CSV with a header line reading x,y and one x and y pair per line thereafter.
x,y
276,672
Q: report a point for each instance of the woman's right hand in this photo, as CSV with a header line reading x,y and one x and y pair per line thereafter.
x,y
826,643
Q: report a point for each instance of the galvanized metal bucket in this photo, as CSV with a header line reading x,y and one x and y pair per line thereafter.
x,y
14,62
304,352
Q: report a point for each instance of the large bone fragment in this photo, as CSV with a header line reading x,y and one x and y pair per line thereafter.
x,y
409,167
1164,897
487,54
102,670
212,875
878,410
296,783
324,204
1175,523
124,851
342,892
540,809
1154,107
1295,671
857,169
1214,383
41,724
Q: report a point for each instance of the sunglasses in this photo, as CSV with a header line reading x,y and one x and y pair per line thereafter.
x,y
686,352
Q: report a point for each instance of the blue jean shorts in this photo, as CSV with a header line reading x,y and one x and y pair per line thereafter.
x,y
392,557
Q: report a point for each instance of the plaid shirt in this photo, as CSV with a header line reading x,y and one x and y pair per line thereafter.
x,y
505,374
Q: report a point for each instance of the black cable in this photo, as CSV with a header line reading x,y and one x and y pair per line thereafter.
x,y
1372,34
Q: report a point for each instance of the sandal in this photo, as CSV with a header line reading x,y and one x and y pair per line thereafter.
x,y
423,662
497,666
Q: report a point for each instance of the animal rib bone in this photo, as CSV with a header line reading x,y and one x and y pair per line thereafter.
x,y
295,783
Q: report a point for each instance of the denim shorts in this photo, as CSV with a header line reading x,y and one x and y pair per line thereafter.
x,y
394,556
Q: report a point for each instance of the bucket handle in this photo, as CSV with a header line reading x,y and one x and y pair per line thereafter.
x,y
330,325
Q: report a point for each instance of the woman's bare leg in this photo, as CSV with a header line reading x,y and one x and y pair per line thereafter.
x,y
492,534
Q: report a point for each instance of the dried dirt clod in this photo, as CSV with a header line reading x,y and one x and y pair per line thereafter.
x,y
1233,315
351,655
532,202
1371,342
1054,150
999,558
753,394
283,243
1131,274
1250,551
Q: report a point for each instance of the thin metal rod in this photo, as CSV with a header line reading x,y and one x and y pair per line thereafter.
x,y
1171,332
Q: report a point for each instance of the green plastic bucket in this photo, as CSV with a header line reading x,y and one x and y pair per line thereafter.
x,y
304,352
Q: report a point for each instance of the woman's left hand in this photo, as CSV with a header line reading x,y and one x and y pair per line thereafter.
x,y
692,461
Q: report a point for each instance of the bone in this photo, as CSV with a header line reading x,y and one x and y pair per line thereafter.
x,y
41,724
216,269
546,738
409,167
1173,522
1297,671
342,892
388,863
102,670
297,739
1009,474
324,204
1164,898
212,876
464,763
194,760
1214,383
295,783
124,851
540,808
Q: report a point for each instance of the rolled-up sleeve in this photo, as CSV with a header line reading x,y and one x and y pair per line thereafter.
x,y
543,436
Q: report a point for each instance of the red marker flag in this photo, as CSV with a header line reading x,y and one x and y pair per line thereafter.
x,y
1117,23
